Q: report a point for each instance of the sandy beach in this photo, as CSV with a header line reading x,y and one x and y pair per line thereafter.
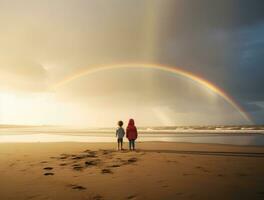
x,y
157,170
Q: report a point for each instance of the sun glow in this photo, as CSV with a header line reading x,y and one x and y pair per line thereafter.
x,y
27,108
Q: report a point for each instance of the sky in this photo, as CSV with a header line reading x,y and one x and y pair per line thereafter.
x,y
44,42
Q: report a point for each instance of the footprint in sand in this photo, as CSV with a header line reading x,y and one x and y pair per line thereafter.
x,y
65,155
77,157
132,160
63,164
77,167
49,174
91,156
114,166
77,187
106,171
131,197
90,163
48,168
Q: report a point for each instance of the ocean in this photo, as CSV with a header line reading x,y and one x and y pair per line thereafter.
x,y
233,135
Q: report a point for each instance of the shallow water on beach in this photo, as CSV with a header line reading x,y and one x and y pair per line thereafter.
x,y
55,134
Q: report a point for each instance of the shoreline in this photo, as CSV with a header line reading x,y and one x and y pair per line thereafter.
x,y
236,140
137,142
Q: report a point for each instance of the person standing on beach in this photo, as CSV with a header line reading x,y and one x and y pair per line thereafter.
x,y
120,133
131,134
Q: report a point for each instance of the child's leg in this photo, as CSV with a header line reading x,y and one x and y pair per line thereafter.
x,y
130,144
121,142
133,143
118,143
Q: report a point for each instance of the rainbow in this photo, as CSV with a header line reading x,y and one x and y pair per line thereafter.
x,y
205,83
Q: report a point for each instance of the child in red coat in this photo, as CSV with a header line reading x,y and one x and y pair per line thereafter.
x,y
131,134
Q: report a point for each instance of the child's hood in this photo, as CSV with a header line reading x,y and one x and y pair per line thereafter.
x,y
131,122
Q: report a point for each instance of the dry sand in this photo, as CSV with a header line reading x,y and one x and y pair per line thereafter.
x,y
156,171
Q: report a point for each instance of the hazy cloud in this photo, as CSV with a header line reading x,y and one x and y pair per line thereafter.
x,y
42,42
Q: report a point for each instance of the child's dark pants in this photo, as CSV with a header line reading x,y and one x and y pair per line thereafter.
x,y
132,144
120,143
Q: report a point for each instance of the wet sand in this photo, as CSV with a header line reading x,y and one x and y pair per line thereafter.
x,y
157,170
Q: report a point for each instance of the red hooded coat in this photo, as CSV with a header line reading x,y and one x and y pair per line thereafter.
x,y
131,130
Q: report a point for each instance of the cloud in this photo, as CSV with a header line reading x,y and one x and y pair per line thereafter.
x,y
222,41
253,107
22,75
